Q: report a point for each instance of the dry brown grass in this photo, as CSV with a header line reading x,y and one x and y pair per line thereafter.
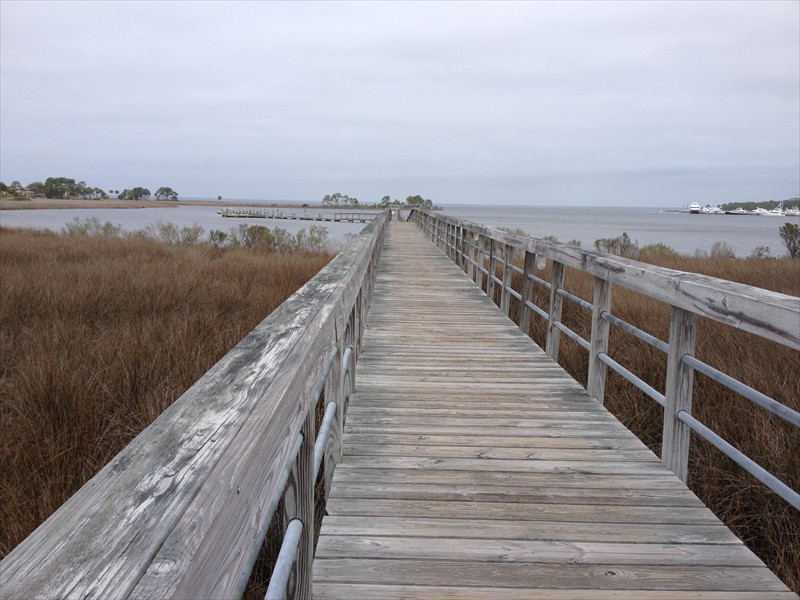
x,y
765,522
98,336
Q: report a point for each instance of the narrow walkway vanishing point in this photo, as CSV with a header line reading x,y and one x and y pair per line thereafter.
x,y
475,467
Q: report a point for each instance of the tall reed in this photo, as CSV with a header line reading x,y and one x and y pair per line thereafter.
x,y
98,335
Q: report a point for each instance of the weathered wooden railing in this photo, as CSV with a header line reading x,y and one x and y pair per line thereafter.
x,y
482,251
183,510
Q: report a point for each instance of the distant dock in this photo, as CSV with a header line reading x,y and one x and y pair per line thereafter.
x,y
337,217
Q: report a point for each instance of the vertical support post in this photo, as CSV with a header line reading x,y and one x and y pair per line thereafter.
x,y
492,268
527,286
460,246
596,382
556,304
298,502
334,393
480,248
505,296
680,378
472,255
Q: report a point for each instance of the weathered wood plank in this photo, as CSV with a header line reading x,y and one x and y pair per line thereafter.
x,y
512,529
472,462
180,510
352,591
564,576
765,313
464,549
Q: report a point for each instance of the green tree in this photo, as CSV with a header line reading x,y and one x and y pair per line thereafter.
x,y
338,198
59,187
790,234
36,188
166,193
137,193
385,201
419,202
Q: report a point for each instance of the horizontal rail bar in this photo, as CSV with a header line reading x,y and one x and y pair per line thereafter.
x,y
635,331
756,470
514,293
771,315
773,406
514,267
647,389
573,298
540,281
539,311
496,280
322,437
572,335
283,566
346,357
255,549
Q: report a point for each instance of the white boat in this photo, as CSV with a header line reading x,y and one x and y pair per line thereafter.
x,y
776,212
694,208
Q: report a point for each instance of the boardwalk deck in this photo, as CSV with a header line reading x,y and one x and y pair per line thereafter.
x,y
475,467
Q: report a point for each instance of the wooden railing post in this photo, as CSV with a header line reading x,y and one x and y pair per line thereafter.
x,y
505,296
460,247
680,377
472,254
480,249
556,303
334,393
527,286
596,381
492,268
298,502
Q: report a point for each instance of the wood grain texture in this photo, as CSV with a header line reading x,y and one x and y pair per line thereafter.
x,y
474,467
768,314
179,510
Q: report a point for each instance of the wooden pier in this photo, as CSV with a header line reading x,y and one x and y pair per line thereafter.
x,y
457,458
305,215
475,467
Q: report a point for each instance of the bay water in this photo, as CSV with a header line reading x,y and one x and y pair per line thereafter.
x,y
683,232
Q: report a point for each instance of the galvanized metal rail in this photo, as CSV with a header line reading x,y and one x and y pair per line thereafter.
x,y
461,477
183,510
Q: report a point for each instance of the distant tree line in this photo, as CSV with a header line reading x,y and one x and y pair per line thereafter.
x,y
339,199
65,188
768,205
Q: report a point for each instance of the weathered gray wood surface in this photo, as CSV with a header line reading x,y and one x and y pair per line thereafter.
x,y
179,511
475,467
765,313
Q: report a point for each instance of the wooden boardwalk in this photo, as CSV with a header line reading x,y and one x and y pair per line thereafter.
x,y
475,467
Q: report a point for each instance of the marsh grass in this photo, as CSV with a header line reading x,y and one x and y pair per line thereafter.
x,y
765,522
98,335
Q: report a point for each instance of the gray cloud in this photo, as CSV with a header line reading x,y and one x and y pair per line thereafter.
x,y
556,103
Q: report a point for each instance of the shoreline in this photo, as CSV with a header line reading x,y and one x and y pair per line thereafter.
x,y
52,203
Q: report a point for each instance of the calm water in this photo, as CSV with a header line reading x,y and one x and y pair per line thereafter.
x,y
133,219
683,232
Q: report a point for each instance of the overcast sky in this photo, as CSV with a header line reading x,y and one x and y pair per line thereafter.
x,y
582,103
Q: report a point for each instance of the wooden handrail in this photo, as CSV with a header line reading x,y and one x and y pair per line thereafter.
x,y
768,314
183,509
